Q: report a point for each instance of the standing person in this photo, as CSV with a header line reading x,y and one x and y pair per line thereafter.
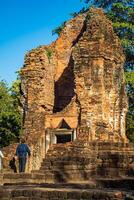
x,y
1,156
22,152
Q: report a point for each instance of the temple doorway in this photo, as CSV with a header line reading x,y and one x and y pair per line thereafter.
x,y
63,138
62,134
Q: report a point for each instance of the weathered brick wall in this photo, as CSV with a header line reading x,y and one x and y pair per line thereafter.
x,y
98,68
38,153
37,77
80,75
47,71
64,74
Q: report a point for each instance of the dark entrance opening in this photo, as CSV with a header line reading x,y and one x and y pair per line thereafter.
x,y
63,138
64,88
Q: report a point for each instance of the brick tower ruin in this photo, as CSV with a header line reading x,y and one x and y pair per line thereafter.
x,y
74,88
74,108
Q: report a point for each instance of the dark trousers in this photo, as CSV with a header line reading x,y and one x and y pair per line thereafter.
x,y
22,163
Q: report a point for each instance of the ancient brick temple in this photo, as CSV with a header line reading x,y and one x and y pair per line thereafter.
x,y
74,88
74,108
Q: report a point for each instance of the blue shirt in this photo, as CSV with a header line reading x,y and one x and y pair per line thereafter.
x,y
22,150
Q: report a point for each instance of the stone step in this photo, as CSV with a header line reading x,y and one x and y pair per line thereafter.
x,y
67,156
93,146
68,160
88,151
110,171
50,176
68,167
16,178
61,162
125,182
61,193
68,175
24,178
59,176
23,198
116,182
118,149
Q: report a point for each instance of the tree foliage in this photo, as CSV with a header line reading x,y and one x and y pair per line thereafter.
x,y
58,29
10,114
130,115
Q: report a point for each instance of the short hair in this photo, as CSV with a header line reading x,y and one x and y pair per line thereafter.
x,y
22,140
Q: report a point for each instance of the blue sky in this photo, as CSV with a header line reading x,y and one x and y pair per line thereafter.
x,y
26,24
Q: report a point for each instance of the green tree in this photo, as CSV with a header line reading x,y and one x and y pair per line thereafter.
x,y
15,93
10,114
130,115
59,29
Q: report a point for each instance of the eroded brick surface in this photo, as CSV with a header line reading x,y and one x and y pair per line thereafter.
x,y
78,78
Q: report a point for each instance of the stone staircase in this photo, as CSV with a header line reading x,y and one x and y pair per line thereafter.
x,y
69,163
117,160
77,162
80,162
76,171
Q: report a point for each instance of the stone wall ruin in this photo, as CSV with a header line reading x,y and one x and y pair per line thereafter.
x,y
78,78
